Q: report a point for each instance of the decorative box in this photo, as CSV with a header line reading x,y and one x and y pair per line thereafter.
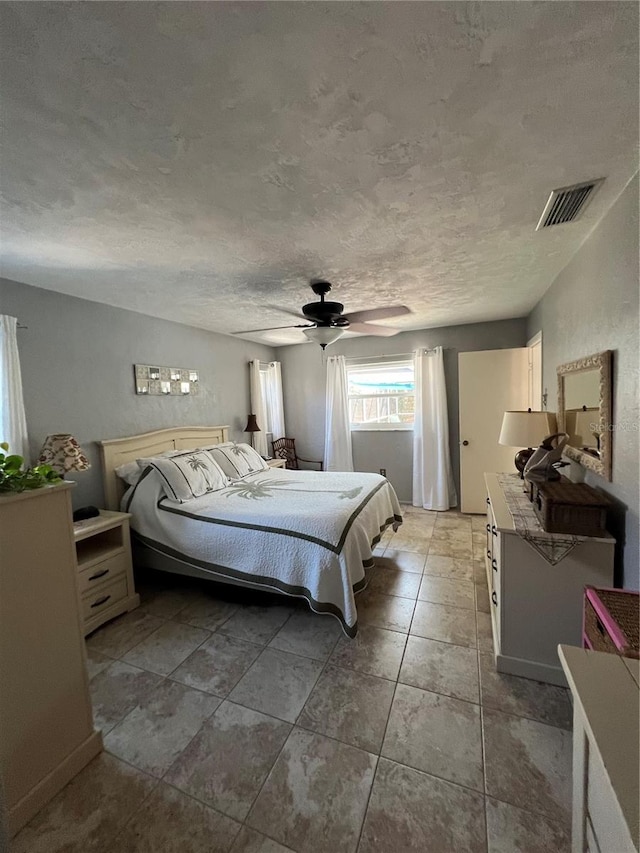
x,y
566,507
612,621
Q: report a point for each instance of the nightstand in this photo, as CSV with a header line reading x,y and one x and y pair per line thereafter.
x,y
105,570
276,463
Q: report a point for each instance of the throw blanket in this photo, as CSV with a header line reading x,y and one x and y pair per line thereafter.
x,y
304,533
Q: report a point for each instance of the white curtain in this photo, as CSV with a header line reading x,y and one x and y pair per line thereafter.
x,y
433,484
258,408
274,405
337,436
13,423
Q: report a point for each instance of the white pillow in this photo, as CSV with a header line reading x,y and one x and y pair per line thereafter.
x,y
145,460
188,475
237,460
130,472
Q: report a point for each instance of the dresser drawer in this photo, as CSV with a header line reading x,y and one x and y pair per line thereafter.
x,y
106,596
104,572
493,543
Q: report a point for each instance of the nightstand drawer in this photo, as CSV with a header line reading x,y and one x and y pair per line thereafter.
x,y
105,597
100,573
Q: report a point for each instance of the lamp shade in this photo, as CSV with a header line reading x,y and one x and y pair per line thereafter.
x,y
252,424
63,453
324,335
526,429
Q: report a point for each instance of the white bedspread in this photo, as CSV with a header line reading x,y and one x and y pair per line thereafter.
x,y
305,533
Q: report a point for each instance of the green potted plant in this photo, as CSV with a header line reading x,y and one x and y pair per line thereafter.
x,y
15,478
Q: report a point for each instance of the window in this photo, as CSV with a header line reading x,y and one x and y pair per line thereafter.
x,y
271,393
381,395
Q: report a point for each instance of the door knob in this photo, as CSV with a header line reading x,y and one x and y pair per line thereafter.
x,y
465,443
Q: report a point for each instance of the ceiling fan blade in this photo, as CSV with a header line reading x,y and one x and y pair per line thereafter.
x,y
377,314
272,329
297,314
369,329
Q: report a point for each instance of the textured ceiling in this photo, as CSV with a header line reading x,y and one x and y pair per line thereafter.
x,y
202,161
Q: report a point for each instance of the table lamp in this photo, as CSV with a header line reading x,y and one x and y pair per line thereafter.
x,y
64,454
526,430
252,426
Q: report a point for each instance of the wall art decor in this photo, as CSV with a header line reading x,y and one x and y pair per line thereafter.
x,y
154,381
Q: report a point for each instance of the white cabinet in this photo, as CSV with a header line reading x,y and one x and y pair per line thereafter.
x,y
606,791
105,573
46,722
536,605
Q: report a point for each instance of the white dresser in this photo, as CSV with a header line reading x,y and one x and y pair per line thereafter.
x,y
46,722
536,605
606,750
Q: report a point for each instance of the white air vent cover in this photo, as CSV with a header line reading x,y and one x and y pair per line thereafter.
x,y
567,203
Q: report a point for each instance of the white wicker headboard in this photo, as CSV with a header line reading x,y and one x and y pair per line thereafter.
x,y
117,451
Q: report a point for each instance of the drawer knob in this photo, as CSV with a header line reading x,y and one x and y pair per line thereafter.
x,y
489,501
99,574
494,564
494,598
494,530
488,527
100,601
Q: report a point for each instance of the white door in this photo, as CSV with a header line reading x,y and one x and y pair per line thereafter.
x,y
535,372
490,383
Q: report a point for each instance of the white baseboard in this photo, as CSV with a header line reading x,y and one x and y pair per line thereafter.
x,y
46,789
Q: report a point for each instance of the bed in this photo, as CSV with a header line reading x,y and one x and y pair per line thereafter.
x,y
307,534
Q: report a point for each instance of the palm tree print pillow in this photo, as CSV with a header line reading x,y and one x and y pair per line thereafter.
x,y
237,460
189,475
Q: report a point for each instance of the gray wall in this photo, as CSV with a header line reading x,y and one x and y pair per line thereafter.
x,y
593,306
303,378
77,362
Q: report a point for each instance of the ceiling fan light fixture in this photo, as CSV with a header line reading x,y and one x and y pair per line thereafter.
x,y
324,335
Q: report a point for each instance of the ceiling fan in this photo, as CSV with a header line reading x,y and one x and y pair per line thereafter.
x,y
327,322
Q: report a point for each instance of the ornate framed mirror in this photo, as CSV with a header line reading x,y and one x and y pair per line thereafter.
x,y
584,411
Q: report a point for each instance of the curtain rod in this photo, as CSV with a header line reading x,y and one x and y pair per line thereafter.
x,y
369,358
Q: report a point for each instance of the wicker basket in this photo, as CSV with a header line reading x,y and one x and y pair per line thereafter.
x,y
612,621
565,507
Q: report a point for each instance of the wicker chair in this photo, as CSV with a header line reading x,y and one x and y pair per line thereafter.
x,y
285,448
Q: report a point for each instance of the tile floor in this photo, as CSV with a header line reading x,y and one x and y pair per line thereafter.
x,y
244,723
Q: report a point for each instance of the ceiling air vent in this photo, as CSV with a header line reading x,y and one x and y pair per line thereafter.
x,y
567,203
